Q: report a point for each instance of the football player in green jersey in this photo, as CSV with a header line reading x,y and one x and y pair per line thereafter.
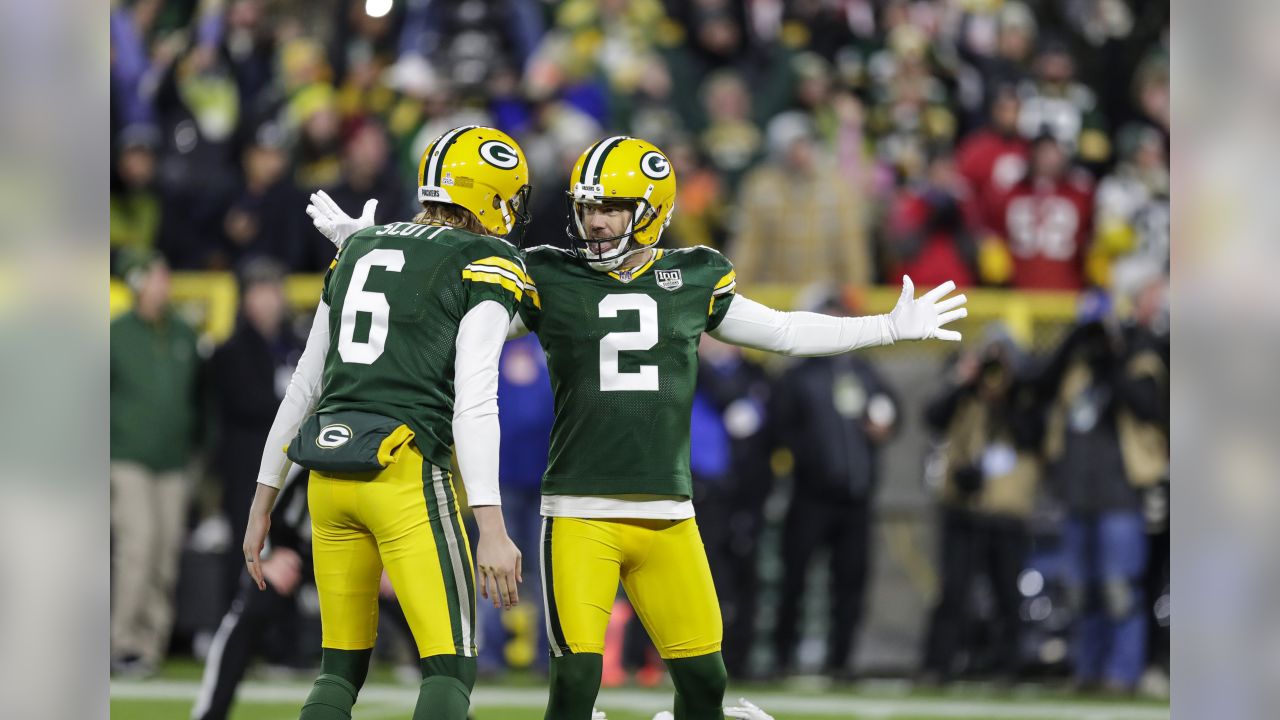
x,y
417,312
620,320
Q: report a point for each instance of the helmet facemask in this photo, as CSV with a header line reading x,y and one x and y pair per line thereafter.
x,y
515,213
588,248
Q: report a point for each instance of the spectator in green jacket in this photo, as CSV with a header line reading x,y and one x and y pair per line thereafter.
x,y
135,204
154,426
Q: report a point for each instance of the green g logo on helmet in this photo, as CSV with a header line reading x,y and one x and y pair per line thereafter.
x,y
499,154
655,166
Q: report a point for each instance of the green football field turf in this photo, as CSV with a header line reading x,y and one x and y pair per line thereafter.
x,y
871,709
521,697
148,709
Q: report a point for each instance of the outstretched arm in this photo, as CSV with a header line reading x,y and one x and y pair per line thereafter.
x,y
806,334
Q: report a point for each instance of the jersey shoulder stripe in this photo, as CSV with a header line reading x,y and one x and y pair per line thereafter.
x,y
497,278
726,283
510,278
515,268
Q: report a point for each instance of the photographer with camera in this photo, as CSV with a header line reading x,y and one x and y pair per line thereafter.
x,y
1106,446
987,419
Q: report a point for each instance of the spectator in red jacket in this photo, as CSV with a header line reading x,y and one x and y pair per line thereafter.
x,y
931,229
1047,220
994,158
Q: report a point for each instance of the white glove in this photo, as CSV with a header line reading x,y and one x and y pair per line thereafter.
x,y
746,711
335,224
664,715
913,319
598,714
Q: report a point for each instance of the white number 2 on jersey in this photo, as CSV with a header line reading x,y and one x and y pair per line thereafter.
x,y
359,300
646,376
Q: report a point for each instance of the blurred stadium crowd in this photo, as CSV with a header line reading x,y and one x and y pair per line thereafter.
x,y
1006,144
989,142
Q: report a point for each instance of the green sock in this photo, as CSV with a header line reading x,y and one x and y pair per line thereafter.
x,y
445,693
700,684
575,683
342,673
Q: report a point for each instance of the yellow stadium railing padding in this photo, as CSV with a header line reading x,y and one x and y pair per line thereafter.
x,y
209,300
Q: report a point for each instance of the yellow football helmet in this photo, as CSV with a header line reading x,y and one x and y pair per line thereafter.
x,y
480,169
621,168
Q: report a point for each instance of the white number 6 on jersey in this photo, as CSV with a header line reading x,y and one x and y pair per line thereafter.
x,y
646,376
359,300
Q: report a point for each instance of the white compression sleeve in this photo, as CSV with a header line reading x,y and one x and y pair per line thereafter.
x,y
481,334
299,399
805,334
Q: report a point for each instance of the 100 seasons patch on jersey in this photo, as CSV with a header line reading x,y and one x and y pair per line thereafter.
x,y
669,279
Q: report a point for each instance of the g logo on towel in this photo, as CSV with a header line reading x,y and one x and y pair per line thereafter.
x,y
333,436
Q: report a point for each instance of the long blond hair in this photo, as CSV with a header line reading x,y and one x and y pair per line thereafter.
x,y
455,216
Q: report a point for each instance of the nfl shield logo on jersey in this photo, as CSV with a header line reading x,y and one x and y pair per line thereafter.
x,y
669,279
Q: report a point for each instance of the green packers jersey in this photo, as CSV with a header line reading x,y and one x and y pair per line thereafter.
x,y
622,351
396,295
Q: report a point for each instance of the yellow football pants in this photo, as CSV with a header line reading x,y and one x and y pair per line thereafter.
x,y
404,519
663,567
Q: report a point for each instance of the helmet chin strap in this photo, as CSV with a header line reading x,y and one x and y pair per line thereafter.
x,y
612,264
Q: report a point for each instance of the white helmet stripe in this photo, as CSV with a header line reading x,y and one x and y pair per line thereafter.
x,y
438,152
594,161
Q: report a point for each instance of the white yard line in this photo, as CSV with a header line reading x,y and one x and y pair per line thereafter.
x,y
650,701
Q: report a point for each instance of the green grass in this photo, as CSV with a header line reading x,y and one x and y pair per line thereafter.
x,y
178,709
134,709
521,696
